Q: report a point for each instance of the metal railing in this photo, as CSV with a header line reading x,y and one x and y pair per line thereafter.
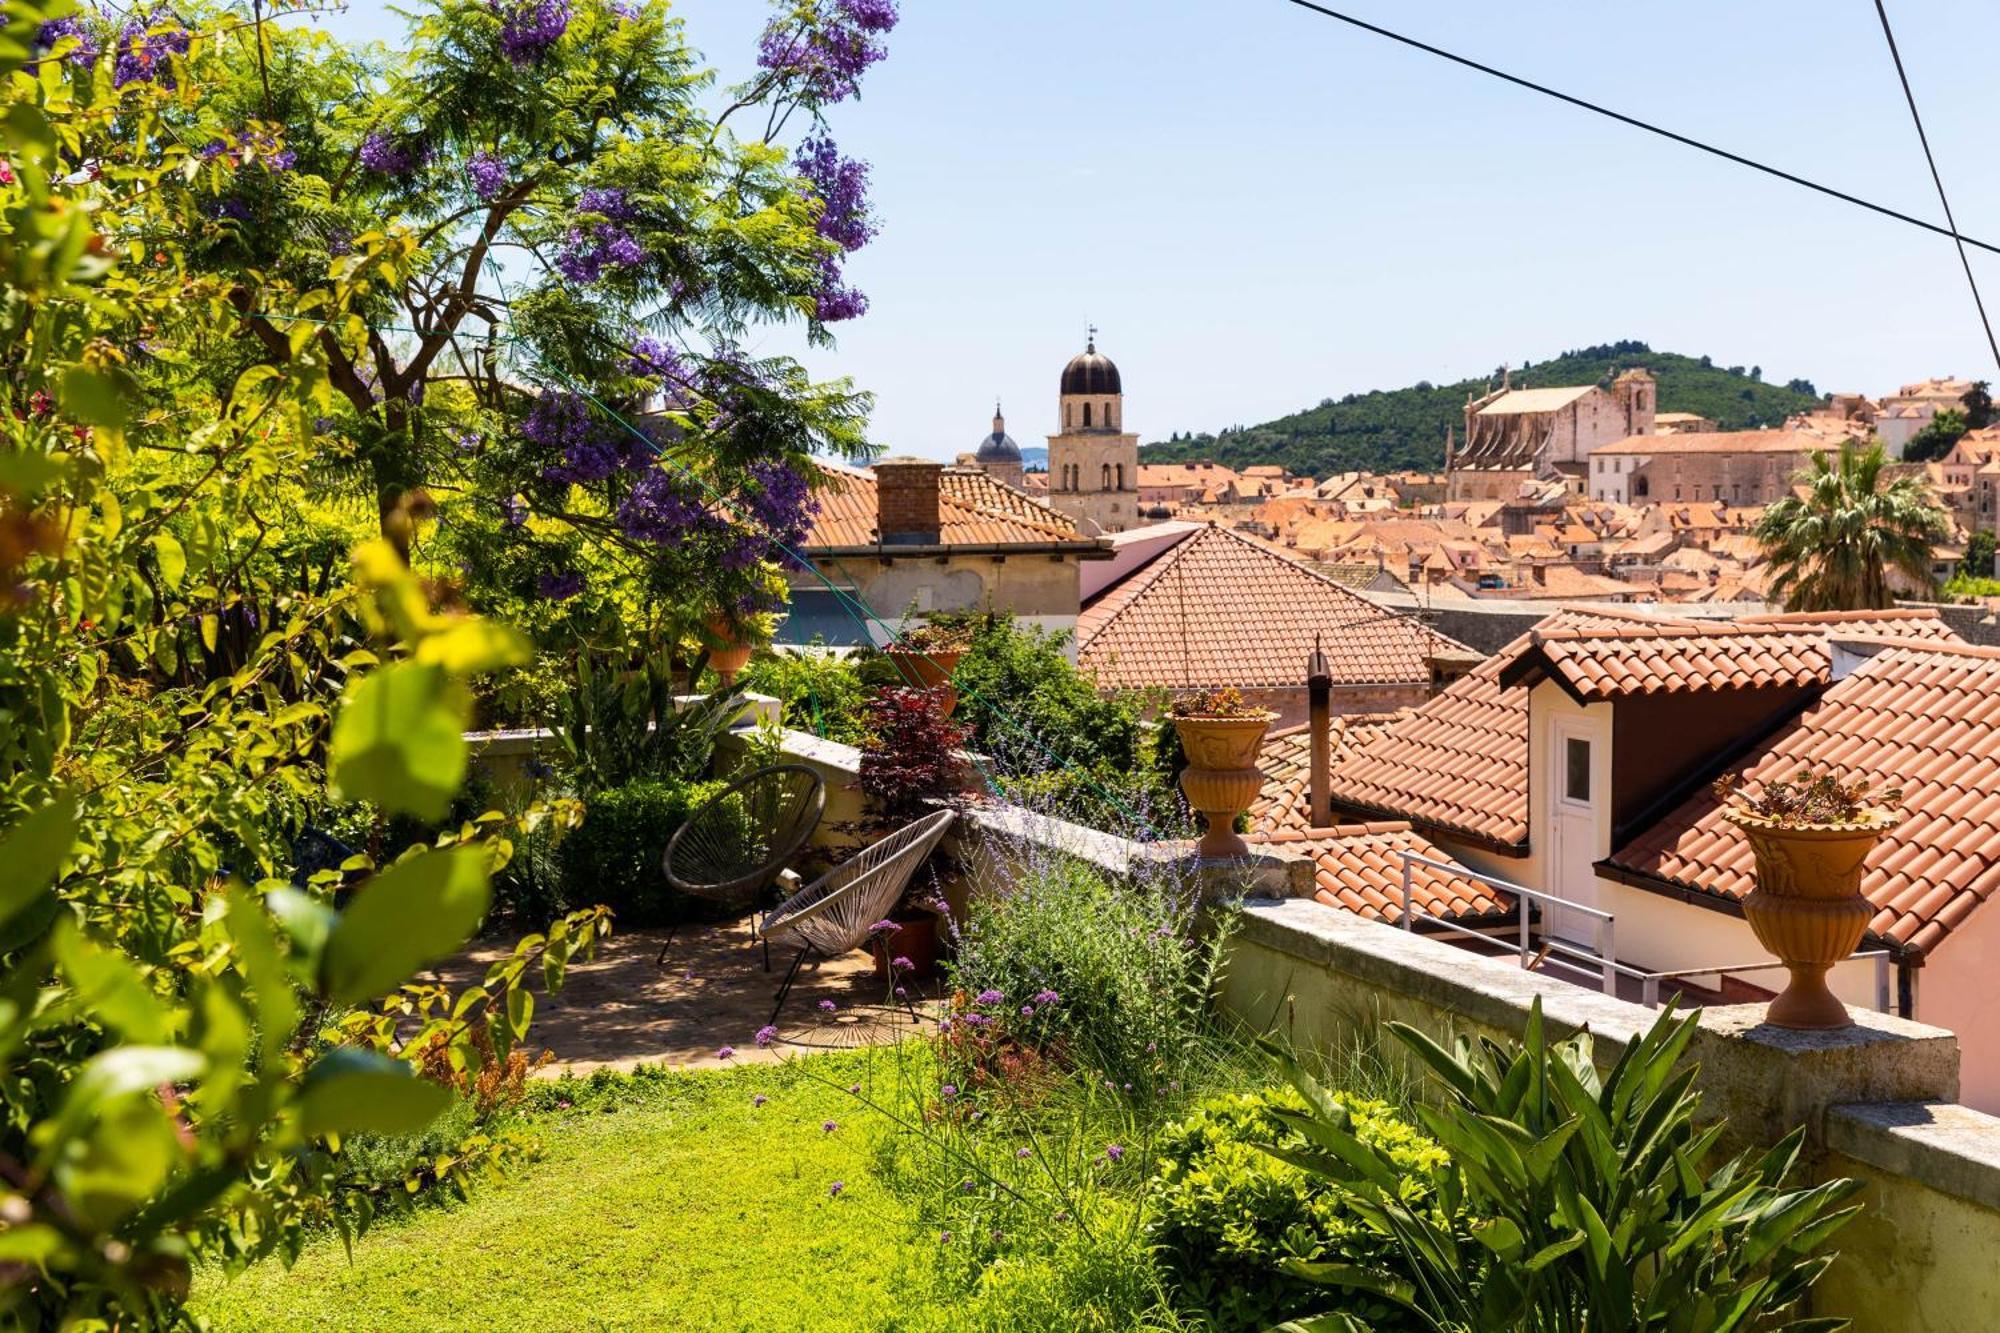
x,y
1604,959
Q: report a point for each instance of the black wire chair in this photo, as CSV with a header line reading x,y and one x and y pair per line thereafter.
x,y
737,842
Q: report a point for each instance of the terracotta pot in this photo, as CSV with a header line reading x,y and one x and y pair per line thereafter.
x,y
928,669
1222,778
916,941
1807,908
729,657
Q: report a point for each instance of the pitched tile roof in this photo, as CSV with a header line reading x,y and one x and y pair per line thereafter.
x,y
1223,609
974,509
1286,758
1595,664
1356,868
1785,441
1460,762
1903,622
1922,716
1534,400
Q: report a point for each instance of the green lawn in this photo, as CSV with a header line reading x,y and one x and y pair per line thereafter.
x,y
684,1207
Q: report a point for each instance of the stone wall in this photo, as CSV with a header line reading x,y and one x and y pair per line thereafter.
x,y
1878,1100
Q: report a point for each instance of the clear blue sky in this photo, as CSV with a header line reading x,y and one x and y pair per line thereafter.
x,y
1262,208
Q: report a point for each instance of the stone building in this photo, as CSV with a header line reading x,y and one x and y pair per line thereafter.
x,y
912,536
998,456
1737,467
1907,411
1093,462
1514,435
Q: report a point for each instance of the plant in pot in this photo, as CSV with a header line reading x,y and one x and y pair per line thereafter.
x,y
909,762
927,655
1810,837
1220,733
730,640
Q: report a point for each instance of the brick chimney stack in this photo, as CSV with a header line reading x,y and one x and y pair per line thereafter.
x,y
906,491
1319,705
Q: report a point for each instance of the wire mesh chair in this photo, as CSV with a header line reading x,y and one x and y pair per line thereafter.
x,y
833,913
738,841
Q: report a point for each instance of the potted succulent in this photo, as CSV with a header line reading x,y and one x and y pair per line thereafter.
x,y
1220,733
1810,837
927,655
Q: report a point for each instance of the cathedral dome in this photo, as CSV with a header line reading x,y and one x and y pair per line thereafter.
x,y
1091,373
999,447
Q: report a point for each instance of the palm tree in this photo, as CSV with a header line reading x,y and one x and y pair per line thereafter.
x,y
1835,547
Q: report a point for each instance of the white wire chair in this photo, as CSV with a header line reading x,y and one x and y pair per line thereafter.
x,y
833,913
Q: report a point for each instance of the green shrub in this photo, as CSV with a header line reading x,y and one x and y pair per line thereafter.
x,y
1226,1215
614,856
821,693
1597,1206
1131,979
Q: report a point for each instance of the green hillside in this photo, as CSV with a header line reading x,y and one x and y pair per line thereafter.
x,y
1404,428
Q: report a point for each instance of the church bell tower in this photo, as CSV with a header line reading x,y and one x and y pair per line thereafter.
x,y
1093,463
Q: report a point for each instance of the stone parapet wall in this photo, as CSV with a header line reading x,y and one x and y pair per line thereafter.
x,y
1878,1100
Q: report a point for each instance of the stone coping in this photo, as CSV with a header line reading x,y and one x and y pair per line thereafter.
x,y
1951,1148
1764,1079
526,740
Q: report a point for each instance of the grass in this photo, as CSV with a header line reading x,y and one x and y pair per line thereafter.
x,y
673,1204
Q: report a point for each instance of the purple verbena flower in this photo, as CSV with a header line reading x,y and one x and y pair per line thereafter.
x,y
949,1091
884,927
829,1126
767,1034
1114,1152
1024,1154
902,964
1047,997
759,1099
827,1006
977,1020
727,1052
836,1187
1027,1011
991,996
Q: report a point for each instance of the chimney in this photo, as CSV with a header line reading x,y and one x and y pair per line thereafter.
x,y
906,493
1319,705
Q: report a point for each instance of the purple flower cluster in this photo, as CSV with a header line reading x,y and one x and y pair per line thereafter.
x,y
782,503
591,449
653,359
661,508
607,201
841,184
86,50
255,147
143,54
387,157
825,56
488,174
529,30
590,250
991,996
766,1035
561,586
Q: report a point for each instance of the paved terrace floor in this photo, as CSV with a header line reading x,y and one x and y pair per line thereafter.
x,y
619,1010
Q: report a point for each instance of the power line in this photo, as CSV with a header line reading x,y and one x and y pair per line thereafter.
x,y
1647,126
1964,260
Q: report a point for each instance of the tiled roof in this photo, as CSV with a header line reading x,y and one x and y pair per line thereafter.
x,y
1903,622
1726,442
1595,664
974,509
1356,868
1286,758
1460,762
1534,400
1223,609
1924,717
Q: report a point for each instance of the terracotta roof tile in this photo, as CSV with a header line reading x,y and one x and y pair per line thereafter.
x,y
1915,622
1220,608
1459,764
1357,868
1923,716
1284,804
1673,659
973,510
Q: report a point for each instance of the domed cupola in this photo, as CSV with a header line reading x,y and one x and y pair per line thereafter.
x,y
1091,373
999,447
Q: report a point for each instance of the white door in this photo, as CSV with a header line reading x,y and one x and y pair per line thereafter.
x,y
1573,805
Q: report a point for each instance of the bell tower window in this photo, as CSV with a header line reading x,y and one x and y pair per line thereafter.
x,y
1086,416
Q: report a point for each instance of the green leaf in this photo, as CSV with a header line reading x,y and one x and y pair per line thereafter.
x,y
96,397
353,1091
107,1078
33,851
1499,1235
413,913
473,645
399,740
173,560
111,990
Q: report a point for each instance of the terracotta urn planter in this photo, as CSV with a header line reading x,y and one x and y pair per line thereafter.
x,y
928,669
1807,908
1222,777
729,656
